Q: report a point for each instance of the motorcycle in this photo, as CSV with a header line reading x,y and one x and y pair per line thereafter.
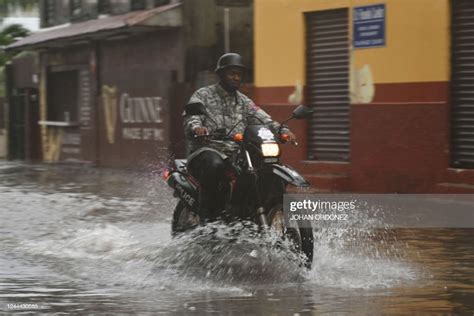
x,y
255,184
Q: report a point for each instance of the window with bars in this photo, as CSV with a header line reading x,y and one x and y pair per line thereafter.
x,y
138,5
104,7
49,13
76,9
81,10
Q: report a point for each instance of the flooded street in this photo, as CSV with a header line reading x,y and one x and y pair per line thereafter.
x,y
86,240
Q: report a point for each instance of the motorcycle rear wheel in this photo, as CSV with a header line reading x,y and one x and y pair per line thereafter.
x,y
302,237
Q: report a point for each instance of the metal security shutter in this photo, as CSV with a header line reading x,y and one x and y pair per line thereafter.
x,y
327,82
462,84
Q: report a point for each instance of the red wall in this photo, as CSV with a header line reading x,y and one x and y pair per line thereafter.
x,y
399,142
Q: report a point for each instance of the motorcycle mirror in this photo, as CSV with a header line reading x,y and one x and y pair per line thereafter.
x,y
195,108
302,112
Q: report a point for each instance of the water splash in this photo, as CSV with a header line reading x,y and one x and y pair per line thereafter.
x,y
351,257
238,253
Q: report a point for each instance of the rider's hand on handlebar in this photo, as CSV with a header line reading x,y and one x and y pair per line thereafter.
x,y
201,131
288,138
291,137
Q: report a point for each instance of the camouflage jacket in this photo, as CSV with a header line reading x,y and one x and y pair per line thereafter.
x,y
225,110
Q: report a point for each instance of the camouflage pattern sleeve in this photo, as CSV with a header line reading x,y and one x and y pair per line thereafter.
x,y
193,121
264,116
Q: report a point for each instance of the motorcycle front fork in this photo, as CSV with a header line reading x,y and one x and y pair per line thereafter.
x,y
262,217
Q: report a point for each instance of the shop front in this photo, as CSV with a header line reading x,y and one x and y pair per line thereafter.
x,y
392,104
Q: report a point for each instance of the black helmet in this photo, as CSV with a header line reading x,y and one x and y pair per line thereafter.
x,y
229,60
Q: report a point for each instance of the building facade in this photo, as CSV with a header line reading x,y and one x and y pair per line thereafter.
x,y
392,85
113,76
27,17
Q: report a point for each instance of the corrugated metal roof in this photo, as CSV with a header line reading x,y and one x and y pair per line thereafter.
x,y
89,27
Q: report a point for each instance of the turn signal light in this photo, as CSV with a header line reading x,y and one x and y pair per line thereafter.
x,y
166,174
284,137
238,137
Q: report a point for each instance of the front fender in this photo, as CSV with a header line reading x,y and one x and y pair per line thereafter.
x,y
289,175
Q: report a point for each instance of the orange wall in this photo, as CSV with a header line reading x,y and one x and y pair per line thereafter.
x,y
400,134
417,41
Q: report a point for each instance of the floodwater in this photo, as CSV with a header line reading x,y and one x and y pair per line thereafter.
x,y
86,240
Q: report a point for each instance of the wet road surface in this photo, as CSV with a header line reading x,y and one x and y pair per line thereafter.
x,y
87,240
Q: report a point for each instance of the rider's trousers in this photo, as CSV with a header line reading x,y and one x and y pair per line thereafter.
x,y
208,168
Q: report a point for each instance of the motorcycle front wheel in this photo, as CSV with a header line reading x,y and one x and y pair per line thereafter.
x,y
183,219
302,237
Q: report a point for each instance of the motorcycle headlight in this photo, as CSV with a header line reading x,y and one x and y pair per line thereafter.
x,y
270,150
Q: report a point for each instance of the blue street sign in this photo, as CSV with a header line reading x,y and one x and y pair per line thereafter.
x,y
369,26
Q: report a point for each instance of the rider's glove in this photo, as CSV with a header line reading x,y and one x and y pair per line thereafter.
x,y
200,131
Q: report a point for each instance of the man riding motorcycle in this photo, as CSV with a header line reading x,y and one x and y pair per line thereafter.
x,y
226,106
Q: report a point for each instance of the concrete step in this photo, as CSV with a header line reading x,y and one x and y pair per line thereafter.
x,y
461,176
447,187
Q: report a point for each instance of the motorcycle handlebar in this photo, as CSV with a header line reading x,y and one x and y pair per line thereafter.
x,y
293,142
214,136
225,137
198,136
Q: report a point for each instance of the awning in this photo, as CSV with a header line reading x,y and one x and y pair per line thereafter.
x,y
167,16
